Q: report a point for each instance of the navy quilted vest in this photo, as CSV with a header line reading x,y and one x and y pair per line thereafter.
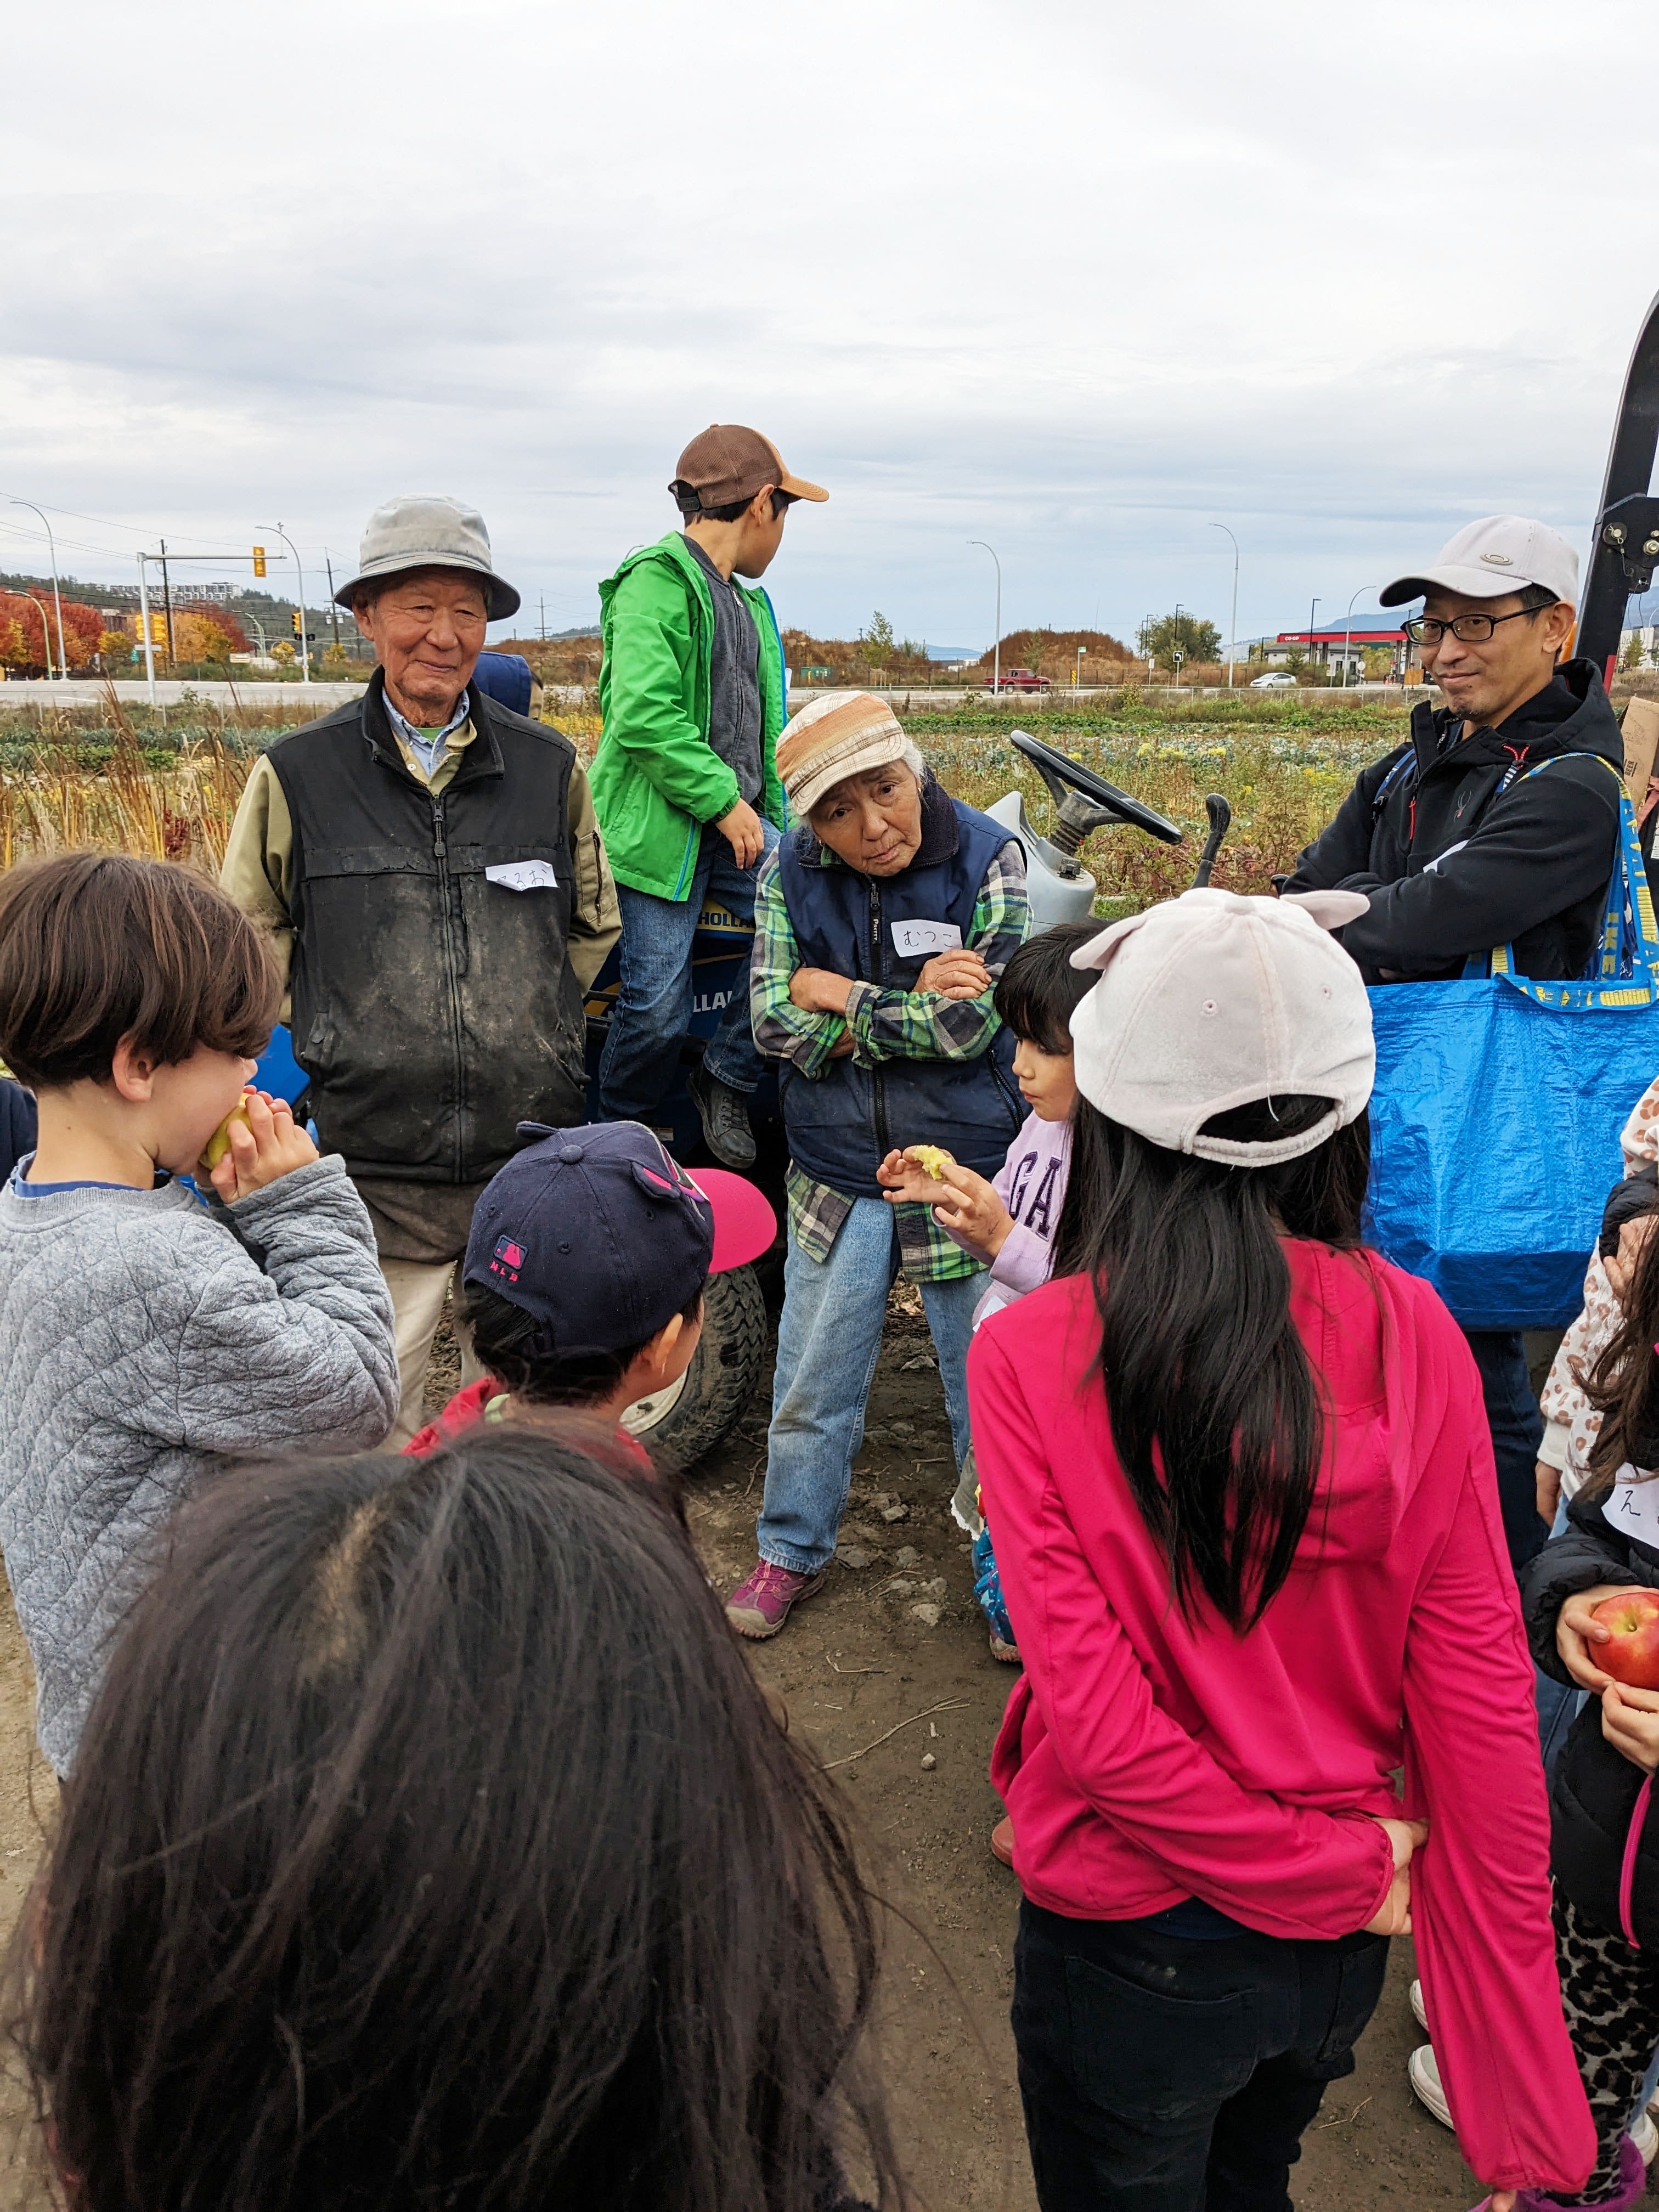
x,y
843,1123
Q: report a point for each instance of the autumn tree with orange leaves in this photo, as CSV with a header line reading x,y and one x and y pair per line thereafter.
x,y
24,641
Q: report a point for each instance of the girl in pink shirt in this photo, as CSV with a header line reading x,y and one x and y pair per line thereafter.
x,y
1247,1526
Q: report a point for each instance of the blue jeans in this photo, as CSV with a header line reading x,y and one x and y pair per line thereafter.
x,y
653,1011
1517,1430
827,1340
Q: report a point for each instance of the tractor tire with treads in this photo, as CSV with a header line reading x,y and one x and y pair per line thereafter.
x,y
677,1425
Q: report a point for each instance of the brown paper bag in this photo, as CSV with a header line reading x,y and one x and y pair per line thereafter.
x,y
1640,721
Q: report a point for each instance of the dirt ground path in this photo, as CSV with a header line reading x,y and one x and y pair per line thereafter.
x,y
855,1663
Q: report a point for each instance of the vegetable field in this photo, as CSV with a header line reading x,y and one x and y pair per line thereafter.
x,y
167,782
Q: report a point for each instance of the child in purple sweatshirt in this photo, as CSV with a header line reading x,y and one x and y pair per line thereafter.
x,y
1011,1220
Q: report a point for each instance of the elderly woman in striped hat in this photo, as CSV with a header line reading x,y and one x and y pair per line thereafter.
x,y
882,923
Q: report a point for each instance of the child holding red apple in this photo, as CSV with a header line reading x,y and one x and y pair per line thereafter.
x,y
1592,1604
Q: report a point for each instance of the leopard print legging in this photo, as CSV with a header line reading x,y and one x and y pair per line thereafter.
x,y
1610,1996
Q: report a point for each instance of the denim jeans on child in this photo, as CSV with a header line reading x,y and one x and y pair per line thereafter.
x,y
1162,2073
653,1007
828,1341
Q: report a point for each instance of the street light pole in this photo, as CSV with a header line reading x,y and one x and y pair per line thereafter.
x,y
46,629
333,612
1347,637
57,597
1312,609
166,607
996,651
305,647
1232,628
143,624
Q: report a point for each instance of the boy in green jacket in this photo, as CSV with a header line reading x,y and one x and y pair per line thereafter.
x,y
691,695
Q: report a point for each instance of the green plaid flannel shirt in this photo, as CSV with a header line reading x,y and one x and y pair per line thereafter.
x,y
884,1026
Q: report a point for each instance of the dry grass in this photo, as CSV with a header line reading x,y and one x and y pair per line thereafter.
x,y
79,779
105,780
1283,784
58,792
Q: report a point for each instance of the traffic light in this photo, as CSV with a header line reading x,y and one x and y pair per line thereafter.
x,y
298,621
259,559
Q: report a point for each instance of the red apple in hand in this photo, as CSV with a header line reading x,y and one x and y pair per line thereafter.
x,y
1633,1656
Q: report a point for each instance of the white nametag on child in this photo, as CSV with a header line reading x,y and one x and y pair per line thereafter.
x,y
1632,1507
915,940
523,875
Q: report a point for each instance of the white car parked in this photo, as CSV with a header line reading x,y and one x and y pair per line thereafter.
x,y
1276,679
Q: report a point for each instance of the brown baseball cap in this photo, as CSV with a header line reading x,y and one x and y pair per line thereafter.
x,y
726,462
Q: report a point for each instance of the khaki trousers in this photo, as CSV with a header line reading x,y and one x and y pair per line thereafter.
x,y
418,1289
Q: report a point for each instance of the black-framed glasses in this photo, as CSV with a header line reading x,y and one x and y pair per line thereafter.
x,y
1467,629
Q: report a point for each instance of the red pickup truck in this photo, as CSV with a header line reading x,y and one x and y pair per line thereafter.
x,y
1017,679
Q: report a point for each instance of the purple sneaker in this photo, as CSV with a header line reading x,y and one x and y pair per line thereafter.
x,y
1632,2183
760,1607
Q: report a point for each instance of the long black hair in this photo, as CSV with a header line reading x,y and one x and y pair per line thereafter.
x,y
1215,1407
430,1845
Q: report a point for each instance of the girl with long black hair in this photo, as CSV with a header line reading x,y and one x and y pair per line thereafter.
x,y
431,1845
1247,1521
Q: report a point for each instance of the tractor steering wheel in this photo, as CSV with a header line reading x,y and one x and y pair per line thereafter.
x,y
1087,801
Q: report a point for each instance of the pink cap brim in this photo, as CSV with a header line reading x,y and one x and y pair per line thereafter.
x,y
745,1224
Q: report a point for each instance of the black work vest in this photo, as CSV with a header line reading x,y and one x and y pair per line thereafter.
x,y
841,1124
433,1008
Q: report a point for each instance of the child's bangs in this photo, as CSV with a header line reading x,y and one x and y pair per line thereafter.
x,y
1039,988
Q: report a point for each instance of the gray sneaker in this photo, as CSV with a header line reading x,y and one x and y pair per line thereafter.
x,y
724,1113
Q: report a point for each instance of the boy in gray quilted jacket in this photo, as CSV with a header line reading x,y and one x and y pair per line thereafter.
x,y
144,1336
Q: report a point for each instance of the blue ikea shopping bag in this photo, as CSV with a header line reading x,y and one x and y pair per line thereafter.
x,y
1496,1117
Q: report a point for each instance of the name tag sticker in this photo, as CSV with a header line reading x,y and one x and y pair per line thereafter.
x,y
916,939
1632,1507
523,875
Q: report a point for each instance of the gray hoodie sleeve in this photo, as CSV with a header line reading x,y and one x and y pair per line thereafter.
x,y
304,1348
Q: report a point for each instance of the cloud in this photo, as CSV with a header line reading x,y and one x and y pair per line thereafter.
x,y
1077,280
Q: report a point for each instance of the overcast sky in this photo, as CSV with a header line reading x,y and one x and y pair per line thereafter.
x,y
1077,279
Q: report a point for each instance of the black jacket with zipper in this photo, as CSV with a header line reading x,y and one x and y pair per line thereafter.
x,y
434,1009
1456,862
1595,1793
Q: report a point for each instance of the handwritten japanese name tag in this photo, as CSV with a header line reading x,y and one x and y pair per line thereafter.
x,y
916,941
523,875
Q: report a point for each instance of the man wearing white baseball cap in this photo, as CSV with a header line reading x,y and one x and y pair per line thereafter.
x,y
1456,845
1460,847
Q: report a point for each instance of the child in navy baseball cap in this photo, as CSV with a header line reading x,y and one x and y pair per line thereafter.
x,y
585,1271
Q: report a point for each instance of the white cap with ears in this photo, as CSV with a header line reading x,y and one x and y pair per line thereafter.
x,y
1212,1000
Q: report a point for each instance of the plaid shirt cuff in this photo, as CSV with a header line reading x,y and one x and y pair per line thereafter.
x,y
926,1252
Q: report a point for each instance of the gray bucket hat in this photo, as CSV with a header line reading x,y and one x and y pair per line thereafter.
x,y
429,532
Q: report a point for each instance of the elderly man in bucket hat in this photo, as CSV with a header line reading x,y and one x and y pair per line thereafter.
x,y
431,871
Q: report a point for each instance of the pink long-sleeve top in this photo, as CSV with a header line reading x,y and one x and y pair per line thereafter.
x,y
1146,1757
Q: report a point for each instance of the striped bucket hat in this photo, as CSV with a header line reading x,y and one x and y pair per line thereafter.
x,y
841,734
